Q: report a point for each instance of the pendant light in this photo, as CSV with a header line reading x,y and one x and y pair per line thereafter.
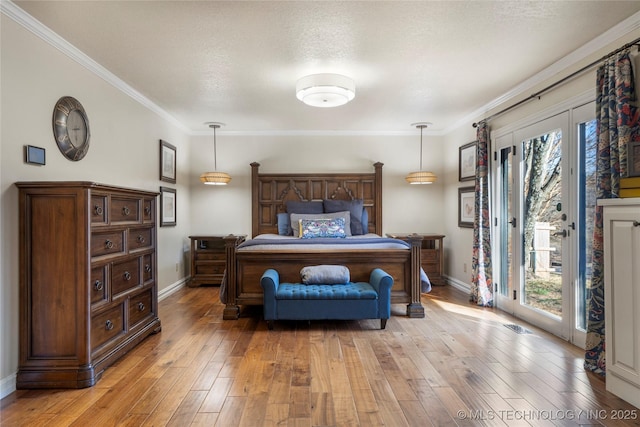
x,y
215,177
421,177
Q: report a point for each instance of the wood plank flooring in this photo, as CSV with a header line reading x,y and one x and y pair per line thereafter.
x,y
459,366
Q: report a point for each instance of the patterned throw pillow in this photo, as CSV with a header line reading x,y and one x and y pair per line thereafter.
x,y
311,228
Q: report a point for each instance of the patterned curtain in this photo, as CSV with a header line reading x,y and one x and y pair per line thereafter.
x,y
616,116
482,276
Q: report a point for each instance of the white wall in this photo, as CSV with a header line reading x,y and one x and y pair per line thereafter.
x,y
123,151
406,208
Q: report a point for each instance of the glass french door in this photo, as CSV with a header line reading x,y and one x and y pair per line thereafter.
x,y
543,211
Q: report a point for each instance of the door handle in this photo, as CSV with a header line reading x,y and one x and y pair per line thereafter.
x,y
562,233
512,221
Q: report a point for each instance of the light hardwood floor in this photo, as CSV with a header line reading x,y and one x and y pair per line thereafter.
x,y
458,366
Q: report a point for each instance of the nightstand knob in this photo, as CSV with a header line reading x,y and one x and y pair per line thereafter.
x,y
108,244
108,325
140,306
127,275
97,209
147,210
125,211
98,286
140,238
147,268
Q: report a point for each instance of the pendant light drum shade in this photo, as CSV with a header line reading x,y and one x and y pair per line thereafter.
x,y
325,90
215,177
421,177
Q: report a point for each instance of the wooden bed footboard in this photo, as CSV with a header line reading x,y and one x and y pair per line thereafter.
x,y
245,268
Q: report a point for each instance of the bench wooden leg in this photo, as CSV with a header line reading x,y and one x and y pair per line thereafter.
x,y
383,323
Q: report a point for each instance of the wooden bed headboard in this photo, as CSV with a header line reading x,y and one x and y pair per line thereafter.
x,y
271,191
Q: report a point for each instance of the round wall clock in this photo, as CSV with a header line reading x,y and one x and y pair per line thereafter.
x,y
71,128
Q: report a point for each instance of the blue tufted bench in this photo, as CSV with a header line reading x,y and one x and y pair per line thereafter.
x,y
349,301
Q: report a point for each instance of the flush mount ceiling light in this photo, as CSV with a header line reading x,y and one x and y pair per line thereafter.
x,y
325,90
421,177
215,177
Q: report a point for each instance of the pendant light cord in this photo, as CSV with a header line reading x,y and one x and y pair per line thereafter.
x,y
215,156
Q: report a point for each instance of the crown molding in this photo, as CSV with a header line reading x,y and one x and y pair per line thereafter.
x,y
11,10
615,33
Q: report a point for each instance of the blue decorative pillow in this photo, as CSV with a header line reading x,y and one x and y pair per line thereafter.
x,y
295,220
312,228
365,221
353,206
314,206
284,224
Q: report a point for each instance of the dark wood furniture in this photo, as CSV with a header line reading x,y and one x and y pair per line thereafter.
x,y
269,194
431,254
88,291
208,257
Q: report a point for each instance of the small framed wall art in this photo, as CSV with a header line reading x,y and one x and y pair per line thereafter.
x,y
467,162
34,155
466,206
167,162
168,207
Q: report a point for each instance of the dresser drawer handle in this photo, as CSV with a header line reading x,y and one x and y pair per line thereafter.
x,y
98,209
140,238
636,223
108,325
140,306
108,244
127,275
147,268
98,286
125,211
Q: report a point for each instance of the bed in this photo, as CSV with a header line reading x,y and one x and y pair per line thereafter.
x,y
271,193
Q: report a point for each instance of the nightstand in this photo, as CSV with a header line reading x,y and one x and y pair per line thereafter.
x,y
431,254
208,260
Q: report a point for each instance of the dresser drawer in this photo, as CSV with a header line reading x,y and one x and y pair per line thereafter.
x,y
125,210
148,268
107,243
98,209
125,276
140,238
140,307
148,210
107,326
98,286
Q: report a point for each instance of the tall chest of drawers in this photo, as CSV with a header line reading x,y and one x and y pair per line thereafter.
x,y
88,291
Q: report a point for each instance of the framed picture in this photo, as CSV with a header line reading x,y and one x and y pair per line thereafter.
x,y
167,207
34,155
167,162
467,162
633,159
466,206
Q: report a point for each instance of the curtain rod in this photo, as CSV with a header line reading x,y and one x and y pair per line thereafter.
x,y
559,82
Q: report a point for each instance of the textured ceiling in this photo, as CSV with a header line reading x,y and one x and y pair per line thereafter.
x,y
238,62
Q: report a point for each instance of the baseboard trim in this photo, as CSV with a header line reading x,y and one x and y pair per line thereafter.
x,y
7,385
464,287
164,293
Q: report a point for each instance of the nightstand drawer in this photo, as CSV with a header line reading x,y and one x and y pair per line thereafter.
x,y
209,267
